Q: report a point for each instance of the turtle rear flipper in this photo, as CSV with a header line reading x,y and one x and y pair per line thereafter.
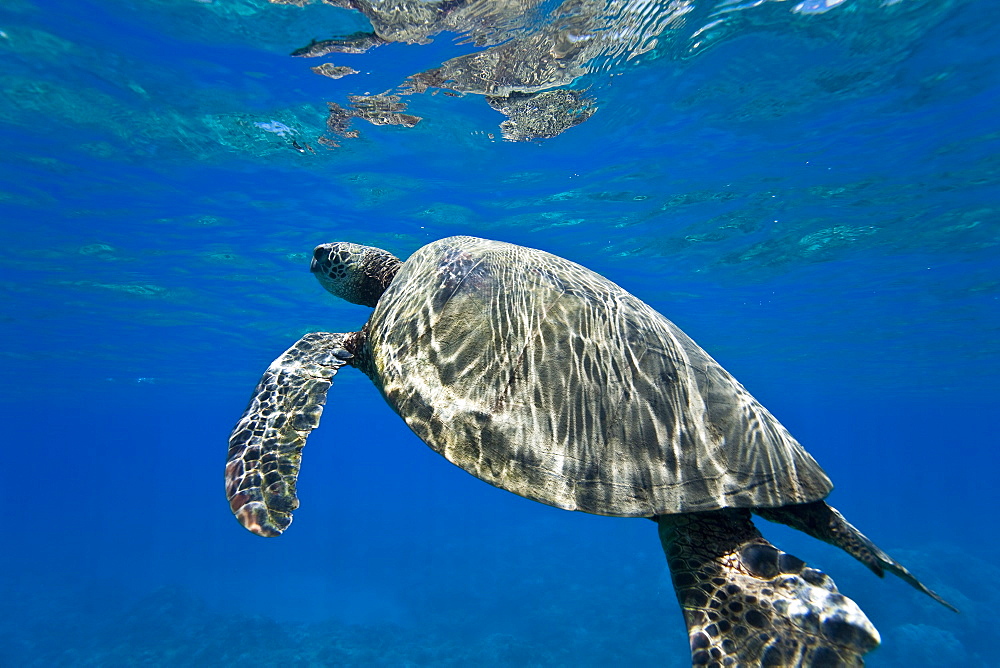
x,y
824,522
265,448
745,600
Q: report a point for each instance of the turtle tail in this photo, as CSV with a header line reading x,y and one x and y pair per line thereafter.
x,y
265,448
824,522
747,603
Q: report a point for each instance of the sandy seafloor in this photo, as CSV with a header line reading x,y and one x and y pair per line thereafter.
x,y
814,200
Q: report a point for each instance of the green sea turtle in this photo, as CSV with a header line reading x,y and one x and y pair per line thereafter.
x,y
548,380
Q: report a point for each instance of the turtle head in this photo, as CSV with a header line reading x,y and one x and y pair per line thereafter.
x,y
359,274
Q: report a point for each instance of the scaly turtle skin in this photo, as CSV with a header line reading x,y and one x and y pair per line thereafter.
x,y
546,379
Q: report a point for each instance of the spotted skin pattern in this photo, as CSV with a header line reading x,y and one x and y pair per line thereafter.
x,y
265,448
359,274
747,603
547,380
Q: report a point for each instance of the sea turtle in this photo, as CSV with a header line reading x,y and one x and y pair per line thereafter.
x,y
544,378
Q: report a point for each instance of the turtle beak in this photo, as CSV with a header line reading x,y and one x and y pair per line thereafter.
x,y
320,253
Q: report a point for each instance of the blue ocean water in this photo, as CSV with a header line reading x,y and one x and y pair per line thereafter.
x,y
812,196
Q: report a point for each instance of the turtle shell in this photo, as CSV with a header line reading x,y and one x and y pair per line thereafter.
x,y
546,379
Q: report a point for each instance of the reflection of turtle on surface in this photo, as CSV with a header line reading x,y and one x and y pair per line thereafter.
x,y
528,49
543,378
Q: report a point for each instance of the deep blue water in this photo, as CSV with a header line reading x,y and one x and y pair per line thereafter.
x,y
814,200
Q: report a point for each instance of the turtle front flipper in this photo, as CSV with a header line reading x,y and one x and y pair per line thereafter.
x,y
265,448
747,603
822,521
358,42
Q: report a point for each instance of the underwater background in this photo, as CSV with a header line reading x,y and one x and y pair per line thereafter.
x,y
814,197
